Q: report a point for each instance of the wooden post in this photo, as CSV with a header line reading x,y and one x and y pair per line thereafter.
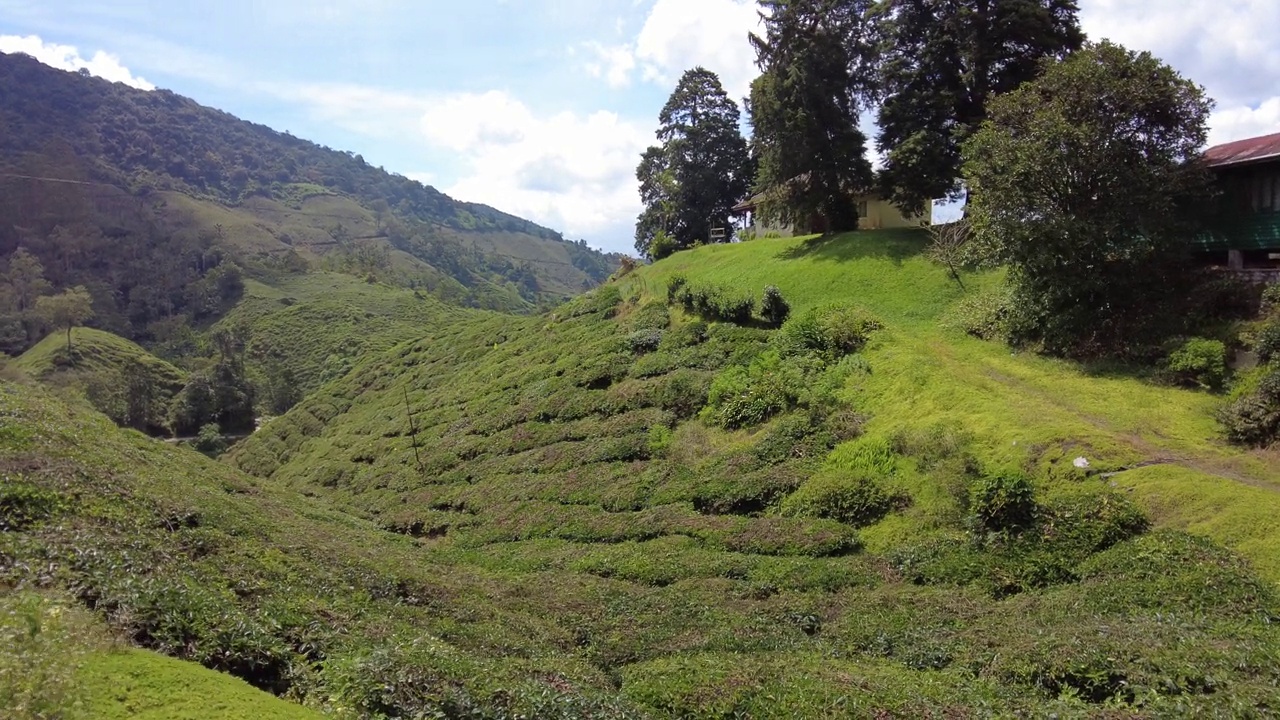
x,y
413,429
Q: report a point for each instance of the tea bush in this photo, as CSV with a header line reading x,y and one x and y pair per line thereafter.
x,y
830,332
853,498
773,307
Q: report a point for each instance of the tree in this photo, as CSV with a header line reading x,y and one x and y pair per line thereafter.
x,y
66,310
940,63
25,278
700,171
1086,183
804,111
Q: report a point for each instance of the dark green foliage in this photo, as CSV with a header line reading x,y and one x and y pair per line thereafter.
x,y
701,169
831,331
939,66
1198,362
853,498
795,437
773,307
643,341
804,113
1266,341
1253,417
209,440
221,395
1097,262
715,303
675,284
1271,298
1003,502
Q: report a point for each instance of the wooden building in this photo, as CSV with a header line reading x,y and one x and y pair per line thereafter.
x,y
1246,233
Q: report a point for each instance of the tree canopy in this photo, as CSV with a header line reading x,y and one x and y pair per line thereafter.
x,y
700,170
1086,184
65,310
804,111
940,63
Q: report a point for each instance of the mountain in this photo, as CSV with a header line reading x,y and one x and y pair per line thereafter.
x,y
140,195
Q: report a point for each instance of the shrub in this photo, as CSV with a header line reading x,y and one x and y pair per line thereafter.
x,y
643,341
662,245
686,335
746,396
659,440
209,441
830,332
1199,362
683,392
710,301
1271,298
852,498
773,307
1266,341
23,505
795,437
675,284
1003,502
653,315
1254,417
984,315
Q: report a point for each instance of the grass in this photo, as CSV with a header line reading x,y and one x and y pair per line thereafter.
x,y
142,685
320,324
547,527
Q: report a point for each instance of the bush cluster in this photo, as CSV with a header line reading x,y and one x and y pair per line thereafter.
x,y
714,303
984,315
746,396
1003,502
773,307
831,331
1198,362
853,498
1253,417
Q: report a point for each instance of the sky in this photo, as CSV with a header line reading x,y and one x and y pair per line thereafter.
x,y
540,108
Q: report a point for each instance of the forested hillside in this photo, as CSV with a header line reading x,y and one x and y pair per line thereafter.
x,y
158,206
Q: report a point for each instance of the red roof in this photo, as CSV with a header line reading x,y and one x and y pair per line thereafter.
x,y
1240,152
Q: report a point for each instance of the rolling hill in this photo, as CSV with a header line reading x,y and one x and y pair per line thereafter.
x,y
817,529
141,195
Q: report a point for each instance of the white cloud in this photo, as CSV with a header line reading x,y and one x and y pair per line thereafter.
x,y
681,34
1242,121
1228,47
570,171
67,57
613,63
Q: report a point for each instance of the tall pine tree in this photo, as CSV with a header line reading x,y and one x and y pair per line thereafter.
x,y
689,183
804,111
941,61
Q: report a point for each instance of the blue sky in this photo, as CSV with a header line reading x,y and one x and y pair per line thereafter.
x,y
537,107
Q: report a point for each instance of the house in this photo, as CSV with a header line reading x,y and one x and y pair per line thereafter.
x,y
1246,233
874,213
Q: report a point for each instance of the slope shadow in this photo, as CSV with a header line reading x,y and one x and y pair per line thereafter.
x,y
895,245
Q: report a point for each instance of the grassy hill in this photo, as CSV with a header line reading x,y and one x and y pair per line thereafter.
x,y
93,352
101,368
320,325
58,660
847,552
